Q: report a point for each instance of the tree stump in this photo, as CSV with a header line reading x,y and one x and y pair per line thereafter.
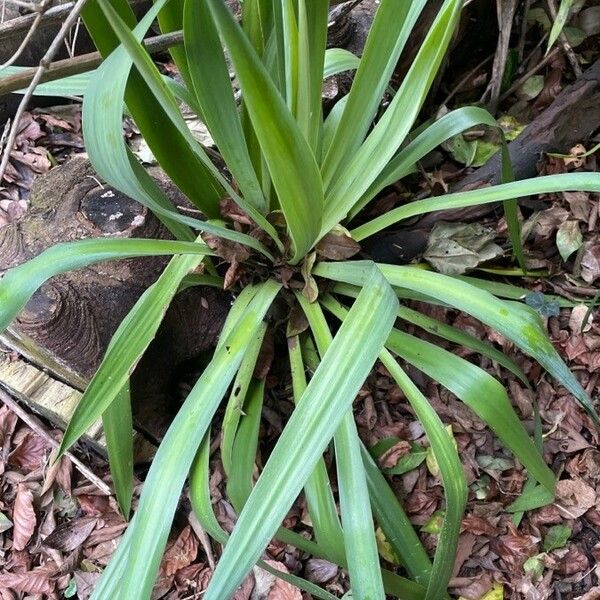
x,y
68,323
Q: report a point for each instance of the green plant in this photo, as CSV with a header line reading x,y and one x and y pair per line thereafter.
x,y
301,179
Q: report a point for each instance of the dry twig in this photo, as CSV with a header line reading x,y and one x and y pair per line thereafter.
x,y
39,9
41,69
564,42
37,428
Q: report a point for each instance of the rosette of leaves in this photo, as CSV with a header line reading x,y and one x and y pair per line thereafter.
x,y
284,214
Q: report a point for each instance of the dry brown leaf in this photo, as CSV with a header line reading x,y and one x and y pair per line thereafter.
x,y
181,553
590,262
30,452
24,520
574,561
320,571
269,587
338,245
574,497
31,582
71,534
593,594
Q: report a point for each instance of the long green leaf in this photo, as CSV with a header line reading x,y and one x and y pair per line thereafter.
x,y
475,387
447,332
19,283
312,39
319,497
395,523
161,91
356,174
387,37
327,398
121,82
144,542
451,124
292,166
212,86
128,344
516,322
452,475
118,430
548,184
358,530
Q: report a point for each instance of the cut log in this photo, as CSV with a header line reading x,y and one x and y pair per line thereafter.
x,y
68,323
56,401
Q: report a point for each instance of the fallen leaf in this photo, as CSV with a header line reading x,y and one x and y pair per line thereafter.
x,y
574,497
454,248
590,262
319,570
86,582
568,238
30,582
574,561
181,553
24,520
30,452
71,534
557,537
270,587
338,244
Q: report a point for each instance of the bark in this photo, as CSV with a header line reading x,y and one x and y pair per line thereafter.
x,y
69,322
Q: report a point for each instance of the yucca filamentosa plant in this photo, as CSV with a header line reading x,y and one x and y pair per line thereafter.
x,y
295,182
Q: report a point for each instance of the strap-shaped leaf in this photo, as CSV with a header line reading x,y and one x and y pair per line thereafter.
x,y
319,497
123,83
359,533
451,124
356,174
291,164
516,322
161,91
117,423
211,83
327,398
19,283
128,344
585,182
387,37
451,472
134,565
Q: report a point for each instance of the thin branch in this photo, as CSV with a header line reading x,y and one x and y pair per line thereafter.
x,y
519,82
37,428
81,64
42,68
564,42
40,9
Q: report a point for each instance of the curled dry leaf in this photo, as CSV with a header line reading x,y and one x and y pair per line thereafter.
x,y
320,571
30,453
574,497
338,245
30,582
24,520
181,553
269,587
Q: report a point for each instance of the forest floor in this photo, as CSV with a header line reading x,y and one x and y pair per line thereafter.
x,y
58,529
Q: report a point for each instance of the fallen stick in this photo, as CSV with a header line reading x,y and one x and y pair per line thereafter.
x,y
36,428
81,64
